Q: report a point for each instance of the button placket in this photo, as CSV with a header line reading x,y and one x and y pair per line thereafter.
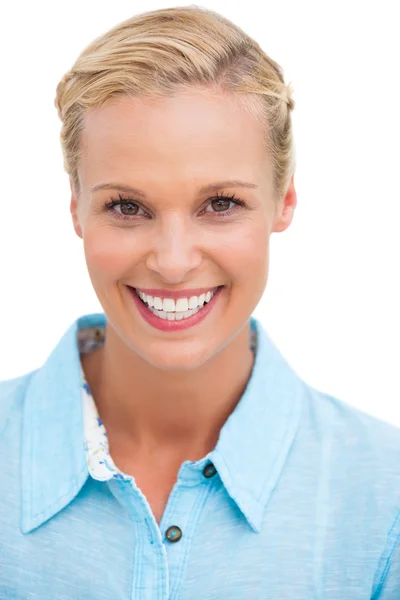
x,y
180,520
152,582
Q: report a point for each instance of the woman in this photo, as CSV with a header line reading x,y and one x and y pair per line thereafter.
x,y
166,449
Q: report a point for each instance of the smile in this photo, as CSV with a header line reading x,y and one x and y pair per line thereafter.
x,y
171,314
175,310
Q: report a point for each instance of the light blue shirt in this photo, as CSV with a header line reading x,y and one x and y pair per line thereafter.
x,y
304,503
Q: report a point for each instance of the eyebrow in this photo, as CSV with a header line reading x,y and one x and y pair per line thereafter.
x,y
212,187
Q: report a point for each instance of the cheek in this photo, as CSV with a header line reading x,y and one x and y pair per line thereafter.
x,y
106,254
245,252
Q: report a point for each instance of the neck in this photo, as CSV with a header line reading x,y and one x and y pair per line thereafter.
x,y
147,409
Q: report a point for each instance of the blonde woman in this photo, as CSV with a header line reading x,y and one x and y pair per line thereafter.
x,y
166,449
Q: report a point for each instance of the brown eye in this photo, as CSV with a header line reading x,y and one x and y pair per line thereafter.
x,y
220,204
124,209
128,208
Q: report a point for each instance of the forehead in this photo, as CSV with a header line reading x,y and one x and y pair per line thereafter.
x,y
186,133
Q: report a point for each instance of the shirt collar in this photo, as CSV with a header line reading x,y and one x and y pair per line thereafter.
x,y
53,459
257,437
249,456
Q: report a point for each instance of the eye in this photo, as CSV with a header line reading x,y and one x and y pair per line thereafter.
x,y
223,204
130,208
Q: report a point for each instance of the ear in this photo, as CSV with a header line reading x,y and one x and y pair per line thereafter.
x,y
74,210
285,210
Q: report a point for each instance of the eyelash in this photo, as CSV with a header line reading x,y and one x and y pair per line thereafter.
x,y
114,202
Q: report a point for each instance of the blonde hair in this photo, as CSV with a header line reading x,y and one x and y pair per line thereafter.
x,y
157,53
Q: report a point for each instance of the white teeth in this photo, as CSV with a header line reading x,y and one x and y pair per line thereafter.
x,y
169,305
193,302
174,316
182,308
148,299
182,305
158,304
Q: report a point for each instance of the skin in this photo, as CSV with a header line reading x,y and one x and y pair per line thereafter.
x,y
164,397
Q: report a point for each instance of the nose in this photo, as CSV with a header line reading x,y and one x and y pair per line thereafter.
x,y
175,250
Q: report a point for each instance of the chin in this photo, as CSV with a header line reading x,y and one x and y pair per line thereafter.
x,y
184,358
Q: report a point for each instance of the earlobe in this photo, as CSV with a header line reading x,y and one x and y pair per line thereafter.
x,y
285,218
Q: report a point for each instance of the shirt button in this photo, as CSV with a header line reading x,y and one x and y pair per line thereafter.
x,y
173,533
209,470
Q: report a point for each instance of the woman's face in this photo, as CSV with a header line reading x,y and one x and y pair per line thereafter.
x,y
189,159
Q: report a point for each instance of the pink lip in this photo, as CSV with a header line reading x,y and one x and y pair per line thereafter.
x,y
175,295
164,324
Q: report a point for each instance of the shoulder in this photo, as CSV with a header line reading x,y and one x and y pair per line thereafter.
x,y
12,392
352,427
362,452
355,459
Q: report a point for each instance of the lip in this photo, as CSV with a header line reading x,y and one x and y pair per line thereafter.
x,y
174,294
164,324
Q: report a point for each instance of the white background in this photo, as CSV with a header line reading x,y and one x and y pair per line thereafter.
x,y
332,299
